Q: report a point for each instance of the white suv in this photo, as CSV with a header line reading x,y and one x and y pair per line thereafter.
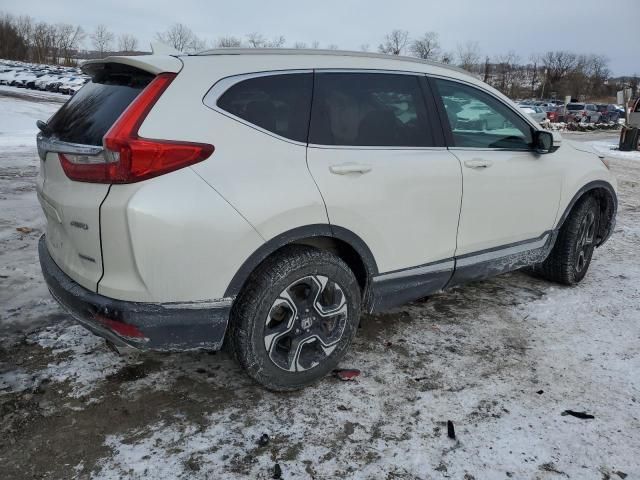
x,y
271,196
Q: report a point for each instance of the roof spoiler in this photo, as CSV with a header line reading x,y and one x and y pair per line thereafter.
x,y
155,63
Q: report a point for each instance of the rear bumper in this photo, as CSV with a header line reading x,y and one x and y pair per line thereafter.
x,y
147,326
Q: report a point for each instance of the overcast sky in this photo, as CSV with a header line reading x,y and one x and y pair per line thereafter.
x,y
583,26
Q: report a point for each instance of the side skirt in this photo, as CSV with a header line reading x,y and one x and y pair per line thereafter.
x,y
399,287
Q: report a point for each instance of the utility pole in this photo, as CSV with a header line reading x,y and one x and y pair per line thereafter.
x,y
544,82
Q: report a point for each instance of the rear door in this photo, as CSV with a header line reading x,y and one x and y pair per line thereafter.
x,y
377,154
74,135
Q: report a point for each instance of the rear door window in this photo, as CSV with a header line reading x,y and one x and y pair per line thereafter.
x,y
89,114
277,103
369,109
478,120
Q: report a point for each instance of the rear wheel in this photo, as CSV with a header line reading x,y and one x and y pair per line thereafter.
x,y
295,318
570,258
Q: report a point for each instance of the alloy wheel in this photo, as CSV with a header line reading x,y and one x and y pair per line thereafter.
x,y
305,323
584,244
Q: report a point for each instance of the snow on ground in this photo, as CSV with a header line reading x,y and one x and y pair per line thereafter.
x,y
502,359
611,150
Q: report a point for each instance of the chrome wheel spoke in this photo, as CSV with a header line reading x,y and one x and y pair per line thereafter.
x,y
316,318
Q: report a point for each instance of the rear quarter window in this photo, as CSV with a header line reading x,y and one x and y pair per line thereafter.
x,y
277,103
89,114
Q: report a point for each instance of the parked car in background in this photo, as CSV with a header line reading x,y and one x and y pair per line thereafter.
x,y
608,112
41,77
555,114
535,112
174,236
582,112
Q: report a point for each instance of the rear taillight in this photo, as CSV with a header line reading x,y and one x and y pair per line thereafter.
x,y
128,158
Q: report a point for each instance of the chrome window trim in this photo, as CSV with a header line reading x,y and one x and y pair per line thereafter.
x,y
55,145
210,100
374,147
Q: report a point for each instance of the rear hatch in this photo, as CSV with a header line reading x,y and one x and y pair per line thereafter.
x,y
74,136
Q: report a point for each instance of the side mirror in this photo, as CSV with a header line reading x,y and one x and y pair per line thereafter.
x,y
543,142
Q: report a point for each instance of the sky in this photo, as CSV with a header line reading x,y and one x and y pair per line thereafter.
x,y
526,27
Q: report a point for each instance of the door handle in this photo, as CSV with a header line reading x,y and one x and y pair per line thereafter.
x,y
477,164
346,168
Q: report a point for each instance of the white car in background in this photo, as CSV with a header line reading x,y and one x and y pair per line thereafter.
x,y
537,113
271,196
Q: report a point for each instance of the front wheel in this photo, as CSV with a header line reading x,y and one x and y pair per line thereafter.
x,y
570,258
295,318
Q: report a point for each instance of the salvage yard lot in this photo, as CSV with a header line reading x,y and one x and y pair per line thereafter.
x,y
502,359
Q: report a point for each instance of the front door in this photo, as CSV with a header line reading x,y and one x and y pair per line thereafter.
x,y
510,193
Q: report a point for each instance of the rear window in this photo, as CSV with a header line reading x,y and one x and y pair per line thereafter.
x,y
575,106
277,103
89,114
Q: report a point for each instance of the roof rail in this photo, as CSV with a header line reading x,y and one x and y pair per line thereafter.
x,y
314,51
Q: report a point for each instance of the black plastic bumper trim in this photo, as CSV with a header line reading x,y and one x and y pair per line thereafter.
x,y
165,326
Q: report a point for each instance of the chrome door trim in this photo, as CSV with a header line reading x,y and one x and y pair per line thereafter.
x,y
504,251
435,267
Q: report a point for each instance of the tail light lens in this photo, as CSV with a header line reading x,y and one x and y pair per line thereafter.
x,y
128,158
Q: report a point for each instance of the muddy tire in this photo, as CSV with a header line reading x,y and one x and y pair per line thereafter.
x,y
295,318
570,258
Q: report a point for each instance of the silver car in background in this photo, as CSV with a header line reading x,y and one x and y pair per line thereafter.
x,y
535,112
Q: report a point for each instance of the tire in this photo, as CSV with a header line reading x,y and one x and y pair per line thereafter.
x,y
571,255
270,336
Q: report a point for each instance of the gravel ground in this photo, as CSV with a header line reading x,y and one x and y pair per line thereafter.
x,y
501,359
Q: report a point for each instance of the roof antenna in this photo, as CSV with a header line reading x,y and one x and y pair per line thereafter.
x,y
159,48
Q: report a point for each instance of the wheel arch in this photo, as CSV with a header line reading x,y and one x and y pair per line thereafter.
x,y
338,240
607,199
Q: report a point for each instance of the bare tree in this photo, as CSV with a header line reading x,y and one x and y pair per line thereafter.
x,y
229,42
426,47
332,46
394,43
507,72
364,47
182,38
68,39
468,54
102,39
256,40
127,43
300,45
315,44
43,37
447,57
276,42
